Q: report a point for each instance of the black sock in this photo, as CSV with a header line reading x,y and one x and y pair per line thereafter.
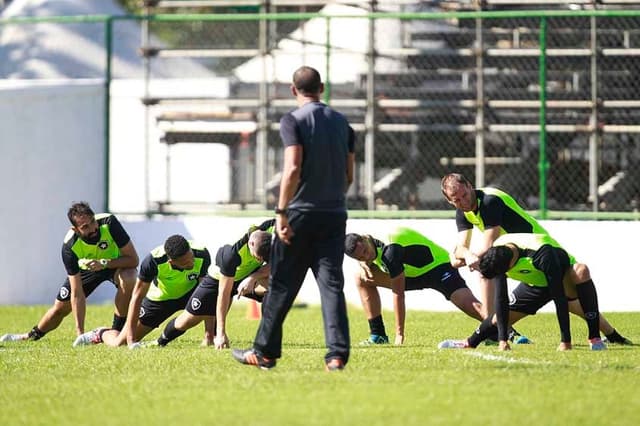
x,y
36,333
376,326
101,332
589,300
118,322
483,332
615,337
170,333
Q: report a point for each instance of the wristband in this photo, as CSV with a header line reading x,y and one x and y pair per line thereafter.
x,y
278,210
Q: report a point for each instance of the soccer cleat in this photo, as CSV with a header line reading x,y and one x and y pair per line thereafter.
x,y
609,341
375,339
518,338
251,357
14,337
624,341
453,344
89,338
334,364
521,340
142,345
596,344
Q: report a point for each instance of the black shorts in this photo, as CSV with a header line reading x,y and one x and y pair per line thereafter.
x,y
153,313
443,278
528,299
90,281
205,296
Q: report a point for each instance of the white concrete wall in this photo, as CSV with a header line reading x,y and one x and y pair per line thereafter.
x,y
599,244
52,154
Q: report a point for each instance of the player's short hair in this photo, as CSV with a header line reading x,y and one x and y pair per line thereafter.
x,y
350,242
453,177
307,80
263,245
495,261
79,209
176,246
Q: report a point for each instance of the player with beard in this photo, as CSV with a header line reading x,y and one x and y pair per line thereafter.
x,y
96,249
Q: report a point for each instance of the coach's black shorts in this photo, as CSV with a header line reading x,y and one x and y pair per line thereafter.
x,y
443,278
153,313
90,281
205,296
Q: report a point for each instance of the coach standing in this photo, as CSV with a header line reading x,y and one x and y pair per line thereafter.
x,y
311,218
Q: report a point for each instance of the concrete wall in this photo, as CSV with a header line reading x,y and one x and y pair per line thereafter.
x,y
599,244
52,154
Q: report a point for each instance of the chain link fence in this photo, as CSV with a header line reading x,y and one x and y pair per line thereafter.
x,y
430,88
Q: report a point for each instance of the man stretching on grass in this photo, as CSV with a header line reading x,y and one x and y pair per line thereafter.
x,y
168,276
409,261
96,249
541,265
494,213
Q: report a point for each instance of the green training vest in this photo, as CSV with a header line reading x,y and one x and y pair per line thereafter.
x,y
171,283
105,248
408,237
475,219
248,263
524,270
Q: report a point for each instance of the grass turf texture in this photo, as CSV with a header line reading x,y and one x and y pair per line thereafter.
x,y
49,382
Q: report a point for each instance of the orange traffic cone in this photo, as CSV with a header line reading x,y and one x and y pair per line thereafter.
x,y
253,311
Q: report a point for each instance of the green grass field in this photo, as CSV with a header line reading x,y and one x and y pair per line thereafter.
x,y
51,383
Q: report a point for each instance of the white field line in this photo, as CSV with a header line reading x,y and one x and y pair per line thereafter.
x,y
502,358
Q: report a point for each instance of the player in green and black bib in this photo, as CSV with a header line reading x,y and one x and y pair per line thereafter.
x,y
408,261
96,249
168,275
240,268
540,264
495,213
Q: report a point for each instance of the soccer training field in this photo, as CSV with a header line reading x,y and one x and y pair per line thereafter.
x,y
50,383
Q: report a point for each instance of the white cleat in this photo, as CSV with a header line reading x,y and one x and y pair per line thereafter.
x,y
14,337
89,338
453,344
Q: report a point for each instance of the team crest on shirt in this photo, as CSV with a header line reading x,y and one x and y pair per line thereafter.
x,y
103,245
192,276
195,304
64,293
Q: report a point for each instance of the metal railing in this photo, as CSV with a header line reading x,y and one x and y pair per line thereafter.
x,y
387,122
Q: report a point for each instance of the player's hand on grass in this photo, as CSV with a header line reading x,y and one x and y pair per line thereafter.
x,y
503,345
399,339
221,342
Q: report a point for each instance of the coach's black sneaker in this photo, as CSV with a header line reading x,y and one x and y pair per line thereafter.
x,y
251,357
334,364
617,339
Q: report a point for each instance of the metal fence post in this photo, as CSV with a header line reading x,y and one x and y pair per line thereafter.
x,y
543,163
